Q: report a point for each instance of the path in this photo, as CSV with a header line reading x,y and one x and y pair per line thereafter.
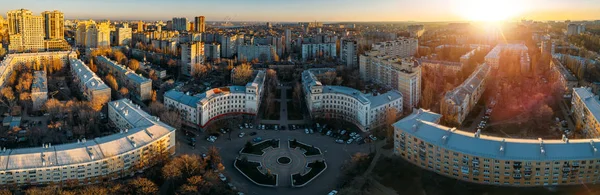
x,y
283,109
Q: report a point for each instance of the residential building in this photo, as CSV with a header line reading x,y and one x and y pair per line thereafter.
x,y
262,53
139,87
134,149
92,35
212,51
288,40
446,66
364,110
566,78
8,65
39,90
402,47
312,51
92,87
402,74
416,31
181,24
26,32
490,160
493,57
199,24
54,24
548,47
191,54
349,53
228,45
124,35
457,103
575,29
585,109
140,26
203,108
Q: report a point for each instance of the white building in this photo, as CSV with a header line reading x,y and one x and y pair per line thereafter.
x,y
318,50
363,110
26,31
202,108
228,45
92,161
403,47
124,35
39,89
92,87
349,53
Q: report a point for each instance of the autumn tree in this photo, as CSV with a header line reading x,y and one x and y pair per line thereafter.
x,y
242,74
142,185
134,64
199,70
93,66
153,96
112,82
7,97
156,108
124,91
119,57
391,116
172,118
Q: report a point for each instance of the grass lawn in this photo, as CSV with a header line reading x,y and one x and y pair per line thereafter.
x,y
309,149
317,167
250,169
258,148
293,112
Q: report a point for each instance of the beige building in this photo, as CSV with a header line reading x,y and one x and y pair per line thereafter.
x,y
39,89
191,54
566,78
402,74
199,24
585,109
26,31
92,87
457,103
139,87
482,159
124,35
93,35
8,65
54,24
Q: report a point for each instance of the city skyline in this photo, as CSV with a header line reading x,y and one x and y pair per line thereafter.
x,y
311,10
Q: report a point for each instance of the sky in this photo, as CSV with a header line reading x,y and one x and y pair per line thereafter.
x,y
316,10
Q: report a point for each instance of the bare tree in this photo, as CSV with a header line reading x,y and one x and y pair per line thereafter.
x,y
242,74
142,185
112,82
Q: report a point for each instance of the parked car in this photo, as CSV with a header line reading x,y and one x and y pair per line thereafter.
x,y
311,131
343,132
257,139
358,138
328,133
222,177
223,131
373,137
306,131
351,134
339,141
241,134
349,141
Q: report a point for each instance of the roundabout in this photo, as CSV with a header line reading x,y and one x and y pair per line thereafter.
x,y
288,165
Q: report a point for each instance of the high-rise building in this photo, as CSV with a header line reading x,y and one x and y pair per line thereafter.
x,y
575,29
348,53
212,51
312,51
140,26
124,35
199,24
263,53
180,24
228,45
25,30
93,35
191,54
288,40
54,24
404,47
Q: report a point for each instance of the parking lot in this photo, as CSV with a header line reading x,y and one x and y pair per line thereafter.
x,y
335,154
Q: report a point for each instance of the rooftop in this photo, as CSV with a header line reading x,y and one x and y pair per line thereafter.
x,y
40,84
183,98
88,78
590,100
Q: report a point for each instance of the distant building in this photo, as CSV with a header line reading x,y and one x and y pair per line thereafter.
x,y
191,54
403,47
199,24
124,35
364,110
181,24
575,29
92,87
567,79
212,51
416,31
39,90
548,47
262,53
288,40
493,57
93,35
140,26
457,103
26,31
139,86
54,24
228,45
312,51
349,53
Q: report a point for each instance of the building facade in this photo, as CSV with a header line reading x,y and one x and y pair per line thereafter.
x,y
565,77
212,51
349,53
25,30
262,53
54,24
585,109
92,87
199,24
92,161
493,57
364,110
312,51
39,90
477,158
124,35
92,35
191,54
403,47
457,103
11,61
181,24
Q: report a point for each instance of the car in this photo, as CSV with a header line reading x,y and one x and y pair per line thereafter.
x,y
358,138
222,177
209,139
257,139
276,127
311,131
231,186
344,132
263,127
339,141
252,133
241,134
306,131
352,134
240,126
251,126
373,137
192,139
333,192
349,141
204,155
246,125
328,133
223,131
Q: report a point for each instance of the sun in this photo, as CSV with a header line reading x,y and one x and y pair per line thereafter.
x,y
483,10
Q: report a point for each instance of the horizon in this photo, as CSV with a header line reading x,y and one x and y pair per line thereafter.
x,y
334,11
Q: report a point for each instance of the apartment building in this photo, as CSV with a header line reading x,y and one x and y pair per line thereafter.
x,y
585,109
349,53
262,53
25,30
92,35
134,149
493,57
140,87
191,54
312,51
457,103
402,47
366,111
92,87
566,78
39,90
8,65
482,159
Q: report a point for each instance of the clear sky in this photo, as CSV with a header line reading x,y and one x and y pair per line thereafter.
x,y
310,10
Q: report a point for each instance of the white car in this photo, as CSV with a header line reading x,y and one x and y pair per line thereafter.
x,y
306,131
353,134
333,192
209,139
349,141
241,134
311,131
373,137
222,177
343,132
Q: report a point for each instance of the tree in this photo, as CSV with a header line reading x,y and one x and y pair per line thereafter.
x,y
199,70
391,115
214,158
153,96
172,118
124,91
8,97
2,52
242,74
156,108
134,64
119,57
93,190
297,94
112,82
142,185
172,63
544,114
